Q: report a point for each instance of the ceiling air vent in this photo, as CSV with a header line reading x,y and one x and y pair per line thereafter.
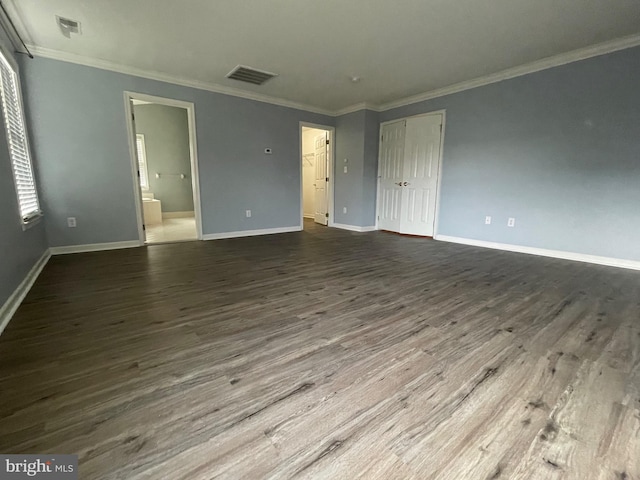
x,y
68,26
250,75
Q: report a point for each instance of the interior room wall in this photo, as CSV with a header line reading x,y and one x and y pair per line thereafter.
x,y
80,139
558,150
355,190
19,249
166,138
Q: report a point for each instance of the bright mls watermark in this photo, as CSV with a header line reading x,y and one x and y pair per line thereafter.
x,y
50,467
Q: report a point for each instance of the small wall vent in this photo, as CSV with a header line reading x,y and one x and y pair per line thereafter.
x,y
250,75
68,26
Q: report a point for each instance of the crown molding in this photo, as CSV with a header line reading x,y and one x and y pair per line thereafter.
x,y
539,65
543,64
356,108
161,77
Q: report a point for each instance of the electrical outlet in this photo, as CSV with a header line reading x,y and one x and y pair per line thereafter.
x,y
248,213
487,220
511,222
71,222
344,209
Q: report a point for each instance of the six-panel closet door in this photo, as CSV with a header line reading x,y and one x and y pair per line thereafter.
x,y
409,168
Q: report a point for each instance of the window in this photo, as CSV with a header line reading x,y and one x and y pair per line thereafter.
x,y
17,141
142,161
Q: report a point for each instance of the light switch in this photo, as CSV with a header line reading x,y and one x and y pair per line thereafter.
x,y
345,169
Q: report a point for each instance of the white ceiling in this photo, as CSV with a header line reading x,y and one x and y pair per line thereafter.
x,y
399,48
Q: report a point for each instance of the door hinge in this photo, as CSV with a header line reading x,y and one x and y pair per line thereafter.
x,y
326,179
138,173
327,142
326,215
133,116
144,227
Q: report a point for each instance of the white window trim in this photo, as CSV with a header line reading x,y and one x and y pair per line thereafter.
x,y
35,217
142,162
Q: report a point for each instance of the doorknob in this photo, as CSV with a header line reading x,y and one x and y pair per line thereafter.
x,y
398,183
405,184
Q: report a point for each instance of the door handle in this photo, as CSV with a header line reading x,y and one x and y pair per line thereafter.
x,y
405,184
398,183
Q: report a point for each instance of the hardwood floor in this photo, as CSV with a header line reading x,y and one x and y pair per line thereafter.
x,y
326,354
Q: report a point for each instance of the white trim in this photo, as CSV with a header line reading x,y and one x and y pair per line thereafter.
x,y
251,233
443,114
94,247
525,69
15,299
176,80
330,169
436,220
543,252
354,228
193,154
185,214
356,108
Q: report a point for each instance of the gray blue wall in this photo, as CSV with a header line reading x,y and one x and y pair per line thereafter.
x,y
19,249
356,141
80,140
557,149
166,138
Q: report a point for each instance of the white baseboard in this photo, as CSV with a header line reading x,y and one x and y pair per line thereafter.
x,y
354,228
250,233
178,214
13,302
543,252
310,215
94,247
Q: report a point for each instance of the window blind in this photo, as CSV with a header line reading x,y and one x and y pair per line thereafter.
x,y
17,141
142,161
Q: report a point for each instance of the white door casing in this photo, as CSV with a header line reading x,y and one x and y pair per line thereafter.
x,y
420,175
321,207
391,171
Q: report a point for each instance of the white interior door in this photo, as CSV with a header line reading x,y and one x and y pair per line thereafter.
x,y
390,173
420,174
321,203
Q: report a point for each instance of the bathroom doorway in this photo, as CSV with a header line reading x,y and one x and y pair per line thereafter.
x,y
165,168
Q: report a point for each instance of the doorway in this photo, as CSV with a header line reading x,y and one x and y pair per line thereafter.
x,y
409,174
316,154
162,133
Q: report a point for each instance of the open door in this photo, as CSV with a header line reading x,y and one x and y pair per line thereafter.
x,y
321,205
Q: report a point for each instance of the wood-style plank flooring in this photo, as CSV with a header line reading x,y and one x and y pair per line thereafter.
x,y
326,354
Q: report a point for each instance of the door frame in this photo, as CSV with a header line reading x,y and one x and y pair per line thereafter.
x,y
330,169
193,154
439,180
